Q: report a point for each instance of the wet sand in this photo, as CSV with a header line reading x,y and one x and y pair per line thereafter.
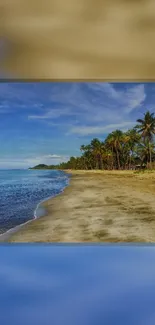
x,y
97,207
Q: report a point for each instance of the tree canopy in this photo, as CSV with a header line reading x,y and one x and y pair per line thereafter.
x,y
119,150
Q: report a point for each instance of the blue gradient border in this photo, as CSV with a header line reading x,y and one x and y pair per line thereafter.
x,y
77,284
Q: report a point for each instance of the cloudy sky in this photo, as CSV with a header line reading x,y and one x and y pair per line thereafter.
x,y
47,122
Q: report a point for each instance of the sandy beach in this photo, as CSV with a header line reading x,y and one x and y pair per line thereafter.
x,y
97,206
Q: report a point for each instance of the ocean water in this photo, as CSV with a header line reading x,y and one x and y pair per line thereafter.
x,y
77,284
22,190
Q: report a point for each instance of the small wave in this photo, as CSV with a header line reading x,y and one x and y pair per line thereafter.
x,y
19,201
48,198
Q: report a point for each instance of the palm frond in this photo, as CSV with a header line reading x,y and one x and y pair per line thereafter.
x,y
140,121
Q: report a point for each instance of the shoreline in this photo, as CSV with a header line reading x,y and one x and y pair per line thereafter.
x,y
4,237
96,206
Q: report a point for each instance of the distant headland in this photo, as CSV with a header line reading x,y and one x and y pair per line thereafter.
x,y
43,166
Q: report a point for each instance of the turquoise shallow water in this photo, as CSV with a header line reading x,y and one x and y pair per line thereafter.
x,y
22,190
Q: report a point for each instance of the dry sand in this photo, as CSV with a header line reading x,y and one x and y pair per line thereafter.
x,y
97,207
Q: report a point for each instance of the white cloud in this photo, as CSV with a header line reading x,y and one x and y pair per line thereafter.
x,y
106,88
51,156
135,97
51,114
87,130
129,98
13,162
97,104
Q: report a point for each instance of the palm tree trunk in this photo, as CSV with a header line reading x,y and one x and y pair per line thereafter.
x,y
118,162
150,155
112,158
130,162
101,162
97,163
90,165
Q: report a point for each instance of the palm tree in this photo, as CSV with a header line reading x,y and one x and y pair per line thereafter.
x,y
132,138
97,149
72,162
109,145
146,128
83,149
108,159
114,140
144,151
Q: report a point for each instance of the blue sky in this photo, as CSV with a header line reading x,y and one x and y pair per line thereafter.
x,y
47,122
77,284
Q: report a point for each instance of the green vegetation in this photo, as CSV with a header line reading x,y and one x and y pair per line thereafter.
x,y
43,166
40,166
120,150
